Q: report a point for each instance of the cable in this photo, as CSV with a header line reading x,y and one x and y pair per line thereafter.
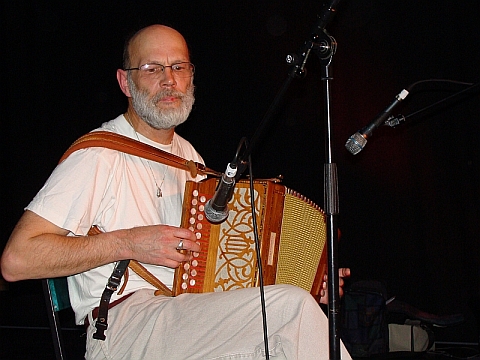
x,y
409,88
471,85
243,141
259,260
395,120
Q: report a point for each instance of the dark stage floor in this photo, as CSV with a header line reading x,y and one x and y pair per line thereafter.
x,y
25,332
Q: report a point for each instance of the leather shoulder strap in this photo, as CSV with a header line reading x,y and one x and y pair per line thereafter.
x,y
130,146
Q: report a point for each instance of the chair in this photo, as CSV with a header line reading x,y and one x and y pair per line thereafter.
x,y
57,299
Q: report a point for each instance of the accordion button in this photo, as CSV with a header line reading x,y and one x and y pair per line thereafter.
x,y
194,202
201,208
200,217
199,226
195,193
184,286
194,272
203,199
192,282
185,276
186,266
193,211
194,263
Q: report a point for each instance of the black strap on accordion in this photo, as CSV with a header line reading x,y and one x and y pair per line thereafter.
x,y
112,285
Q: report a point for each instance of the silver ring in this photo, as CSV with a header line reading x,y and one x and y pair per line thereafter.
x,y
180,245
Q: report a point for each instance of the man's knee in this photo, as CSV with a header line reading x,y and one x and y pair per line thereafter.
x,y
293,292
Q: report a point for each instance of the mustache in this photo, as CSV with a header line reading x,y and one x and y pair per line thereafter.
x,y
167,92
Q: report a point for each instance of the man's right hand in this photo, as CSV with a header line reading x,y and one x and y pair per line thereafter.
x,y
157,244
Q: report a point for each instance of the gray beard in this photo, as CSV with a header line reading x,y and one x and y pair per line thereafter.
x,y
161,119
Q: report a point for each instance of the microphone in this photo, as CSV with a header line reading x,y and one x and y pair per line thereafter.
x,y
357,141
216,209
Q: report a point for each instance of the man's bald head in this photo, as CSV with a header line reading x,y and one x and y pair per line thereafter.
x,y
151,37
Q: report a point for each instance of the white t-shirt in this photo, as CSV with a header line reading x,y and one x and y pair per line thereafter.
x,y
113,190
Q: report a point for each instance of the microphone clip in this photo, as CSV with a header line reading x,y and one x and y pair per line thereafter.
x,y
393,121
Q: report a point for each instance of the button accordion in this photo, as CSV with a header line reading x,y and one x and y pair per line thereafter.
x,y
292,236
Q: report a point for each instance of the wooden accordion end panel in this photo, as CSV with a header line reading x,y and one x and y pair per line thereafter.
x,y
292,234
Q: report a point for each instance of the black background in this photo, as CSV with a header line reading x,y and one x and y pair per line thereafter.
x,y
409,202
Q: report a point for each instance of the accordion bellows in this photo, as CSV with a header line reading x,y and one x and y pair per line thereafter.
x,y
292,237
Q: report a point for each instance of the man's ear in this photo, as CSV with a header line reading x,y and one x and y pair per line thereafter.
x,y
122,81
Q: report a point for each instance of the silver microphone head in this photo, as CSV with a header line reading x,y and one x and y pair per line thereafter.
x,y
356,143
215,216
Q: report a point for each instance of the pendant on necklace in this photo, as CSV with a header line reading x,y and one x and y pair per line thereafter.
x,y
159,192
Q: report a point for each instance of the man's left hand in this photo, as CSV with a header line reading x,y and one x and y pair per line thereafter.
x,y
342,274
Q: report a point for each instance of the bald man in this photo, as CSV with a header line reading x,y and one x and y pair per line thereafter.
x,y
137,205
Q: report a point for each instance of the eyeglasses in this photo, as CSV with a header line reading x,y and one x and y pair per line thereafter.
x,y
182,69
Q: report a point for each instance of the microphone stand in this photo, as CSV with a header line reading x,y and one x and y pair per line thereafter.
x,y
324,49
324,46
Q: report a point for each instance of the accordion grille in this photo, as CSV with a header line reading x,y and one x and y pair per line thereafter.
x,y
302,242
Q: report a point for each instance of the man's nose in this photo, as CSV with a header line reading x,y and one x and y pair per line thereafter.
x,y
168,78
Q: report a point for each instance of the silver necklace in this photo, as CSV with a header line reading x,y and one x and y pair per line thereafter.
x,y
158,187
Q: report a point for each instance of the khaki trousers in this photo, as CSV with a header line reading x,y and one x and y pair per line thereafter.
x,y
222,325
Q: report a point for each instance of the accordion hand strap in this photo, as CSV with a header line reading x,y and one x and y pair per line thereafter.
x,y
146,275
130,146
